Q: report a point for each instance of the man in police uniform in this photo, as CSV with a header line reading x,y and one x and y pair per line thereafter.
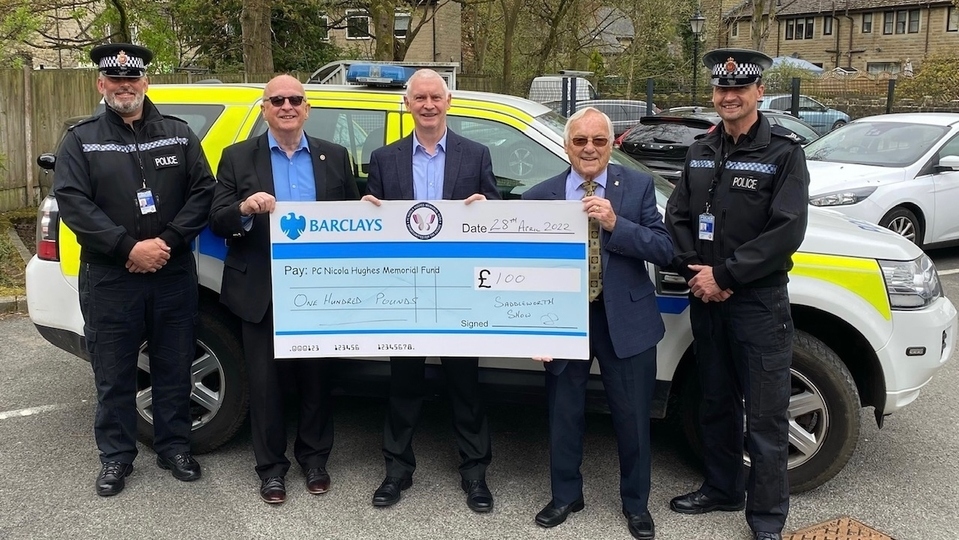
x,y
135,187
736,217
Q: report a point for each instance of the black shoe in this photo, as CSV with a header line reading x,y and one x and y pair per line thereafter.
x,y
110,480
698,503
273,490
390,490
767,536
640,525
553,515
478,497
183,466
317,481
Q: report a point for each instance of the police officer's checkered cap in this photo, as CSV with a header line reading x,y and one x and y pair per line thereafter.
x,y
112,61
742,70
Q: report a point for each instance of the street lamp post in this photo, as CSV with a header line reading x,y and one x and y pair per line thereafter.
x,y
696,23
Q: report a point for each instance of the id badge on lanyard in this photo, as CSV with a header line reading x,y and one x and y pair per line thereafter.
x,y
707,223
145,201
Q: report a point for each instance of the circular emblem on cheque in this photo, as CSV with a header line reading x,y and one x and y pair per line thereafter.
x,y
424,220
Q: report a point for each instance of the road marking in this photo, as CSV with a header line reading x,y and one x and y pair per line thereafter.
x,y
949,272
31,411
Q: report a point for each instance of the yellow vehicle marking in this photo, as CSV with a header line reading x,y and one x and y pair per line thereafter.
x,y
862,277
69,250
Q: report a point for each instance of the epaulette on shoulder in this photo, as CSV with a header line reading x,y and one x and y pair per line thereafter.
x,y
84,121
177,118
786,133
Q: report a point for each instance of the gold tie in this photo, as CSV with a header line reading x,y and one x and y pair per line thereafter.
x,y
595,263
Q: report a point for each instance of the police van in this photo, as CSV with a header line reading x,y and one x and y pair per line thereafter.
x,y
872,324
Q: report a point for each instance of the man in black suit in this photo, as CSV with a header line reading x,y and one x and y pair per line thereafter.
x,y
282,164
433,163
624,322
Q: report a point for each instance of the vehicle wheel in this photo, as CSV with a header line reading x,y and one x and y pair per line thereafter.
x,y
839,124
520,161
904,223
220,396
823,414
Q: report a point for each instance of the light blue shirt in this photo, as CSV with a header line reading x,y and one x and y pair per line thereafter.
x,y
428,170
573,182
292,176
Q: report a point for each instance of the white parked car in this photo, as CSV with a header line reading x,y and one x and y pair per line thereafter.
x,y
900,171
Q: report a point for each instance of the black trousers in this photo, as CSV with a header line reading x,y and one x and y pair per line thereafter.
x,y
407,393
744,351
629,384
120,310
270,382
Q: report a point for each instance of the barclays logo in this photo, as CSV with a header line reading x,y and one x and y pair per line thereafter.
x,y
292,225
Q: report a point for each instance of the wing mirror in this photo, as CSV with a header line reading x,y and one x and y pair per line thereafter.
x,y
47,161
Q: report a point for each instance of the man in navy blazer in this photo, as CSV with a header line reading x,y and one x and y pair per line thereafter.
x,y
288,165
433,163
624,323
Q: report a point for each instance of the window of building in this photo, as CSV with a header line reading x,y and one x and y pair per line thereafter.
x,y
952,20
901,21
888,18
800,28
827,25
874,68
357,24
401,24
913,21
325,30
867,23
734,30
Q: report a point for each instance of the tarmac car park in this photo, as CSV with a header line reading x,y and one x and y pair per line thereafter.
x,y
873,326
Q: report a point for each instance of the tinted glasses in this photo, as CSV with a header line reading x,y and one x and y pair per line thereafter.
x,y
295,101
598,142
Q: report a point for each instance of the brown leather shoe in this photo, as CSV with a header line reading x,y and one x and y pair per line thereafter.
x,y
273,490
317,481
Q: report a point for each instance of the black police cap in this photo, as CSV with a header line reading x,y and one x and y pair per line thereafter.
x,y
736,67
121,59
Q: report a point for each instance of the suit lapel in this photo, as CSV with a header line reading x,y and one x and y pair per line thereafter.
x,y
319,168
451,172
404,167
264,165
614,194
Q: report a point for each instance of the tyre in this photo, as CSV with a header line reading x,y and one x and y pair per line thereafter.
x,y
823,414
838,124
904,223
220,396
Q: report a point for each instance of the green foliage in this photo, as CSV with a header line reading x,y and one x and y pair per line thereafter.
x,y
17,21
937,79
778,79
298,34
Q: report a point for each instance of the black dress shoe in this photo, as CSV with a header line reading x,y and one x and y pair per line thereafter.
x,y
553,515
698,503
640,525
390,490
110,480
767,536
183,466
478,497
273,490
317,481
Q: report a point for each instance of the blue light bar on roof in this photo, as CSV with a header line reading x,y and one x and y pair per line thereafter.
x,y
379,75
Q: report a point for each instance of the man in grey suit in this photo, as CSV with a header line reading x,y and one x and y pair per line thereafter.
x,y
433,163
624,322
283,164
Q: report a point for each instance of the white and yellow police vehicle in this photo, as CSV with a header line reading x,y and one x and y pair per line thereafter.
x,y
872,324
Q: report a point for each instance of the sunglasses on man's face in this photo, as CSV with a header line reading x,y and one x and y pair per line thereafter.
x,y
277,101
598,142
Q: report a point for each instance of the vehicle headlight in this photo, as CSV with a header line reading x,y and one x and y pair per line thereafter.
x,y
842,198
911,284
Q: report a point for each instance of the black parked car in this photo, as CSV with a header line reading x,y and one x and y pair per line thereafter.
x,y
660,141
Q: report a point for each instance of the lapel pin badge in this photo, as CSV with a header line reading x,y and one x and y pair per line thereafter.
x,y
616,182
322,157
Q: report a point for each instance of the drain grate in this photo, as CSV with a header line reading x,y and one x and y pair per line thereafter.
x,y
844,528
